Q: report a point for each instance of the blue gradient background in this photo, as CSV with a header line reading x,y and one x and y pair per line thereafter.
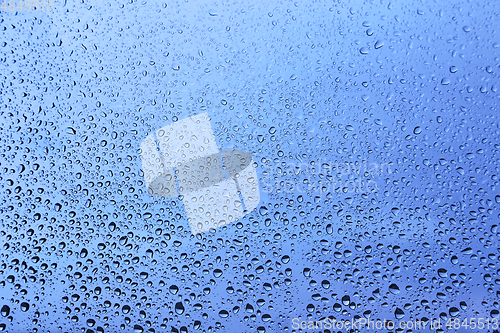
x,y
302,86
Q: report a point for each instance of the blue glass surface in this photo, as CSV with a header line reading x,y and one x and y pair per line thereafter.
x,y
375,136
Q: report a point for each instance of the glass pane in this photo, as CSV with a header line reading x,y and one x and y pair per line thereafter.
x,y
264,166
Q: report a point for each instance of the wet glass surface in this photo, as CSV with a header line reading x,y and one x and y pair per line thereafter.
x,y
325,160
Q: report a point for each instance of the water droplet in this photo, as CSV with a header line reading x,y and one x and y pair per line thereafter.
x,y
5,311
179,308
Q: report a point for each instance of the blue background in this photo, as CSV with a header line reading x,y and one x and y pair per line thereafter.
x,y
314,90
